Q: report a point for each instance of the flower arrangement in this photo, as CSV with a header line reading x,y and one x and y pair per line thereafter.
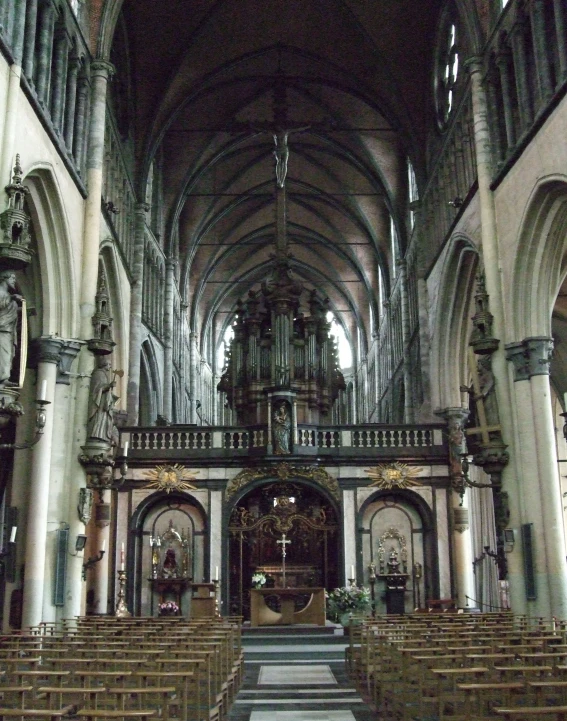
x,y
347,600
169,608
259,580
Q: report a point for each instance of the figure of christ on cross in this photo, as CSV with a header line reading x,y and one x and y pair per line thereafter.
x,y
284,542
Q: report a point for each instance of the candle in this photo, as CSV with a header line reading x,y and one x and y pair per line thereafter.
x,y
103,549
122,558
352,571
126,444
216,573
13,534
42,391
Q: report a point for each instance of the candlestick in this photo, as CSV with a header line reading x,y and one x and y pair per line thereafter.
x,y
103,547
121,607
216,573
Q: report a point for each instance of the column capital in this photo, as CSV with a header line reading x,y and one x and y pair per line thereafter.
x,y
141,208
516,354
102,68
474,64
69,352
531,357
46,349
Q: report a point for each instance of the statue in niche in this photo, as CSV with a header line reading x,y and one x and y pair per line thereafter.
x,y
10,303
102,401
281,430
487,388
170,564
393,563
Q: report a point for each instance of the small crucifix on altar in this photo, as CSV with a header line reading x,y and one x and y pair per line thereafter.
x,y
284,542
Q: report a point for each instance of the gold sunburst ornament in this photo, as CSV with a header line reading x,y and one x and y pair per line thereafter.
x,y
393,475
170,478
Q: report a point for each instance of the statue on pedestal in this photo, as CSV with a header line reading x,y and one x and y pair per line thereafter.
x,y
10,303
281,430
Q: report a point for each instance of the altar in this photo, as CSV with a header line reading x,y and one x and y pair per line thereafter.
x,y
262,615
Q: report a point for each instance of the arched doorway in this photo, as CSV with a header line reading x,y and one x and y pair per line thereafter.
x,y
178,521
256,527
401,521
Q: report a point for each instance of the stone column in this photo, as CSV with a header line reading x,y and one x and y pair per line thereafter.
x,y
503,64
560,28
136,301
59,84
44,50
539,352
404,307
9,114
463,553
71,101
541,50
48,350
215,534
168,340
102,539
521,73
80,119
29,39
192,377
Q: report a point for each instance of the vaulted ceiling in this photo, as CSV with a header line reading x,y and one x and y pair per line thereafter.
x,y
355,80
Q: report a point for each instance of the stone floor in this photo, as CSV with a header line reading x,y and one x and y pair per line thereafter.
x,y
286,679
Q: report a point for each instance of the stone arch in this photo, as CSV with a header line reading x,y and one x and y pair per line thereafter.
x,y
452,322
541,259
152,516
55,281
409,513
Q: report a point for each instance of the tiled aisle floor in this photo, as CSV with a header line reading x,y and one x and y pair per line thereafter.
x,y
298,692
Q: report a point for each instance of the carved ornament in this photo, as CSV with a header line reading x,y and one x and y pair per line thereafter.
x,y
284,472
386,476
170,478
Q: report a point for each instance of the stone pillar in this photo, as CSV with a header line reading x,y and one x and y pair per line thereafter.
x,y
521,73
192,377
168,340
539,477
539,351
463,554
136,301
44,50
100,570
539,37
59,84
29,39
503,64
215,535
80,119
560,28
71,101
48,350
408,376
9,114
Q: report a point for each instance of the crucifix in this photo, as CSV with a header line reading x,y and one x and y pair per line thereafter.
x,y
482,386
284,542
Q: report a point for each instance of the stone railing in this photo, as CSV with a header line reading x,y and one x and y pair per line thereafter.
x,y
184,442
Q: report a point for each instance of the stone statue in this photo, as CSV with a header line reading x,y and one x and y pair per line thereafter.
x,y
10,302
281,430
487,388
101,402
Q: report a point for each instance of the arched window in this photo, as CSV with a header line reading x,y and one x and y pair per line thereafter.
x,y
223,347
345,351
447,70
393,245
413,195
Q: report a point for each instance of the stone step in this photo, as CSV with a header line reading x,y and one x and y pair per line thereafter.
x,y
295,630
281,639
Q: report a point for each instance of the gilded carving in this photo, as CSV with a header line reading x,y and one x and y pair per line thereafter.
x,y
393,475
283,472
170,478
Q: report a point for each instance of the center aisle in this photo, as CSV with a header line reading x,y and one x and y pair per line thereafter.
x,y
297,673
